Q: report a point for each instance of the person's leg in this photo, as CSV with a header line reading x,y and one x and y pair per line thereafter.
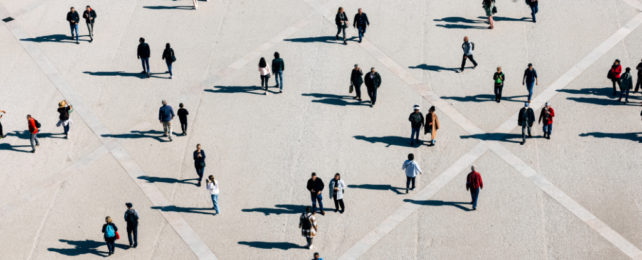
x,y
338,32
147,64
374,95
523,133
413,183
32,140
320,198
550,130
1,133
313,197
76,28
343,206
71,29
135,229
626,96
199,172
501,88
357,88
529,87
496,91
545,130
529,131
309,241
65,127
344,34
472,59
412,135
407,183
475,194
463,62
169,68
164,129
491,22
614,89
183,127
142,63
370,94
533,11
130,230
336,203
215,201
362,31
89,29
638,84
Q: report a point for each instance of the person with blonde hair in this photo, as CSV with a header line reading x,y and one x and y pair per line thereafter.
x,y
110,233
64,110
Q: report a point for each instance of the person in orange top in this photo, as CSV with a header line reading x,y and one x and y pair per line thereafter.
x,y
33,130
474,184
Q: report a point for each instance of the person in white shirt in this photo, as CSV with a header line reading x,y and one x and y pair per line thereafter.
x,y
212,187
264,71
337,187
412,170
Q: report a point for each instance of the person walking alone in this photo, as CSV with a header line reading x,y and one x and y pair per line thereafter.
x,y
341,20
614,75
626,83
278,66
199,163
416,122
356,79
499,79
431,125
530,80
308,226
264,72
373,81
143,52
412,169
468,47
73,18
525,120
361,22
337,187
90,17
489,7
33,126
546,116
2,112
474,184
533,4
64,110
212,186
131,218
168,56
638,83
110,233
165,116
182,117
315,186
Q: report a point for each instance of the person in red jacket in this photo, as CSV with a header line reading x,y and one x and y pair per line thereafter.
x,y
614,75
474,184
546,116
33,130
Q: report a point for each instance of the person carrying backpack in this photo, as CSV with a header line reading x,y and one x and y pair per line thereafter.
x,y
131,217
110,232
33,125
416,122
308,225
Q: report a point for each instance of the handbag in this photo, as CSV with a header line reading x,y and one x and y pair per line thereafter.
x,y
494,9
117,235
351,88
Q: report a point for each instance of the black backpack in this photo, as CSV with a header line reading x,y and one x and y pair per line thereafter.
x,y
37,123
305,222
131,217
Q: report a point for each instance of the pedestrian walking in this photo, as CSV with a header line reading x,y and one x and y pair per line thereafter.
x,y
308,226
2,112
165,116
90,17
361,22
546,116
212,186
182,117
170,58
278,66
33,125
474,184
143,52
626,83
73,18
529,80
64,110
534,9
131,218
525,120
373,81
264,71
195,4
341,20
199,163
412,169
110,233
638,83
489,7
468,47
316,256
315,186
416,122
499,79
337,187
356,79
431,125
614,75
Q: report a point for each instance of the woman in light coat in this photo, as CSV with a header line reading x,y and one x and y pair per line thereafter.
x,y
264,71
336,189
432,125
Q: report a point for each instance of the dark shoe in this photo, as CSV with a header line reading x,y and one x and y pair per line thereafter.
x,y
413,188
33,151
476,65
337,37
341,211
474,208
323,213
355,98
345,43
135,245
522,143
336,210
77,43
406,190
143,72
198,184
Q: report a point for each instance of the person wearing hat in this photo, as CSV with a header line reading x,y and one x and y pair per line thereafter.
x,y
131,217
356,79
64,110
546,116
525,120
373,81
416,122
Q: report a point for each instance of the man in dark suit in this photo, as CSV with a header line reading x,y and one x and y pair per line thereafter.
x,y
525,120
356,80
143,54
373,81
361,23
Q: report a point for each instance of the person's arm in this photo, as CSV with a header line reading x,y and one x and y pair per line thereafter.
x,y
115,227
309,186
481,183
367,21
541,115
354,21
418,168
136,214
125,216
203,154
138,51
536,78
423,122
321,186
171,111
468,182
524,77
160,114
282,65
164,53
551,111
104,226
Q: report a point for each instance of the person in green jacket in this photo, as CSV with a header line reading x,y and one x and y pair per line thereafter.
x,y
499,78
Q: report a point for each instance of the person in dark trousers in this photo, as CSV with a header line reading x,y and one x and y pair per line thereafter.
x,y
361,22
373,81
546,116
416,122
432,125
110,234
64,110
168,56
530,80
356,79
412,169
468,47
474,184
73,18
165,116
525,120
638,83
315,186
614,75
533,5
2,112
33,126
143,52
499,79
341,20
90,17
182,117
308,226
278,66
626,83
131,218
199,163
337,188
264,72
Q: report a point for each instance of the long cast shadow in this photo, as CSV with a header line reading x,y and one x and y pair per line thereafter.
x,y
83,247
622,136
256,90
279,209
153,179
116,74
508,19
436,68
388,140
485,98
173,208
332,99
171,7
136,134
503,137
602,92
26,135
438,203
53,38
9,147
323,39
270,245
377,187
455,22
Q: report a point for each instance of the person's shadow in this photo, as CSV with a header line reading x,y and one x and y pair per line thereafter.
x,y
83,247
270,245
435,68
438,203
169,7
172,208
322,39
622,136
377,187
388,140
333,99
115,74
279,209
256,90
153,179
136,134
53,38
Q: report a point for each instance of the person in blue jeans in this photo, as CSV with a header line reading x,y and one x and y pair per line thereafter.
x,y
278,66
212,187
533,5
361,23
143,52
416,122
315,186
530,80
168,56
73,18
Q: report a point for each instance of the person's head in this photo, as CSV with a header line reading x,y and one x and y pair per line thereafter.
x,y
88,8
472,168
499,69
141,40
432,109
129,205
411,156
72,9
628,69
308,209
262,62
164,102
356,66
360,11
525,104
314,176
617,62
340,10
337,176
211,178
167,45
277,55
180,105
416,108
530,66
465,38
316,255
108,219
198,147
28,116
546,104
62,104
372,69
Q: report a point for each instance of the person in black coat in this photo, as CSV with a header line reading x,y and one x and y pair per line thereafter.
x,y
90,17
356,79
315,186
525,120
199,163
341,20
373,81
168,56
143,54
361,22
73,18
110,234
